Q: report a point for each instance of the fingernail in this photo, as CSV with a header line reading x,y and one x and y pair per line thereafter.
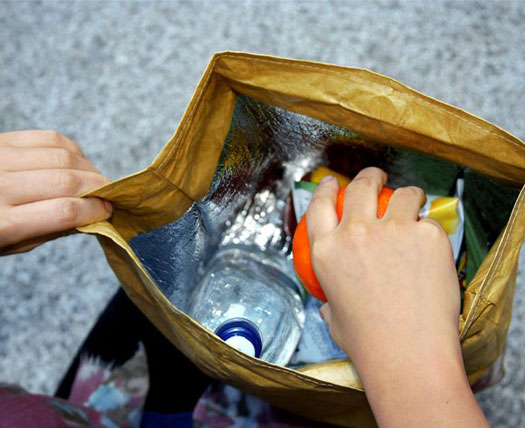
x,y
327,179
108,207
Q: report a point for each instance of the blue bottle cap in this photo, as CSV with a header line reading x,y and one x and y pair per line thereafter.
x,y
242,334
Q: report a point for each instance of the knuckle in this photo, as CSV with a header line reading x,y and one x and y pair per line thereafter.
x,y
319,199
68,183
318,251
67,212
433,229
64,158
52,135
314,250
396,227
374,170
410,191
363,182
74,146
395,223
357,228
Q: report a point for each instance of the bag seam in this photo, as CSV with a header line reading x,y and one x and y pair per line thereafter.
x,y
177,188
191,114
491,270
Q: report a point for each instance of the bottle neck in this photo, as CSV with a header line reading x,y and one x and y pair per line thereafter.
x,y
242,335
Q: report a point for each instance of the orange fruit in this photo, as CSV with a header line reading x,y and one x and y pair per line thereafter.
x,y
302,259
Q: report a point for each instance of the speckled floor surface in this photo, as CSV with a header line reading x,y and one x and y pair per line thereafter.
x,y
117,75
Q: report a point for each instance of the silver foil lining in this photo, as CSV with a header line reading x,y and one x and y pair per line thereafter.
x,y
266,150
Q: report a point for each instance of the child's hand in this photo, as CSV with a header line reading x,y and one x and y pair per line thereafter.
x,y
393,295
396,271
41,175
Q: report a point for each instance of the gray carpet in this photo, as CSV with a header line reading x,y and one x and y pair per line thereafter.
x,y
117,75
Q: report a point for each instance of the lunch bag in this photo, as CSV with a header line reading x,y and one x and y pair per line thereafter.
x,y
250,115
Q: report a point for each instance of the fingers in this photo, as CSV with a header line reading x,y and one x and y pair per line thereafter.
x,y
405,204
41,172
321,217
361,195
37,138
53,215
22,187
25,159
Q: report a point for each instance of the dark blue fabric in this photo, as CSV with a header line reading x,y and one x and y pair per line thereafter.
x,y
161,420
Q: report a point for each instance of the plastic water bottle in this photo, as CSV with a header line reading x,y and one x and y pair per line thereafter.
x,y
247,299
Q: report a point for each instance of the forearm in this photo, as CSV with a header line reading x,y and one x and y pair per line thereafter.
x,y
421,389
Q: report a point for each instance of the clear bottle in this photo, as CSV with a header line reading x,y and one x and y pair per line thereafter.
x,y
249,300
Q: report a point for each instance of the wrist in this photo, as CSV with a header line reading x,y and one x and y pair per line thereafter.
x,y
428,387
422,359
379,350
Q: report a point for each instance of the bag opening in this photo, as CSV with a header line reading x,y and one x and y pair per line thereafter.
x,y
266,150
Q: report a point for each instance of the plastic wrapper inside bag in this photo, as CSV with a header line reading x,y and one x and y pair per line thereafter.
x,y
254,126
